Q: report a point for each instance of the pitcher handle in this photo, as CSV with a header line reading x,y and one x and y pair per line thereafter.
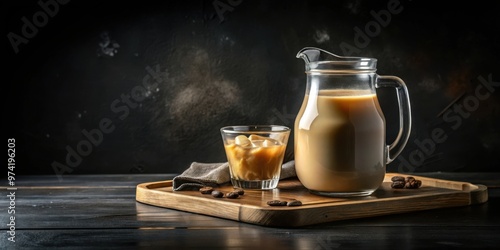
x,y
396,147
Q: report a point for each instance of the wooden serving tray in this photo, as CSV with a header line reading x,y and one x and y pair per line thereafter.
x,y
252,206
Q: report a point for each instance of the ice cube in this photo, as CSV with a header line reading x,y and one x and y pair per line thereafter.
x,y
256,138
268,143
242,140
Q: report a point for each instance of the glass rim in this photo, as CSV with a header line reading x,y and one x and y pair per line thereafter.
x,y
257,129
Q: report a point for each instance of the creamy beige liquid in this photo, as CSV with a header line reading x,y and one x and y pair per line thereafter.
x,y
255,161
340,142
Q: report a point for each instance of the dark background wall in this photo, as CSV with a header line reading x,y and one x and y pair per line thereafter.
x,y
143,87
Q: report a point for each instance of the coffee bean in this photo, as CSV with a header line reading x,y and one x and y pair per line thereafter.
x,y
398,184
409,178
398,178
206,190
240,191
418,183
232,195
408,182
413,184
294,203
217,194
275,203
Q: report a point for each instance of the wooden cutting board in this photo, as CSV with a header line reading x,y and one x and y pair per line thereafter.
x,y
252,206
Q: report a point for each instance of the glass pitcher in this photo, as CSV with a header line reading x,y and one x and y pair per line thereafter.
x,y
340,147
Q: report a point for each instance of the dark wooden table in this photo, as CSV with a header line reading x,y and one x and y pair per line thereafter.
x,y
100,211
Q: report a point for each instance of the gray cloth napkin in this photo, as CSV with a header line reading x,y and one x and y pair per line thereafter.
x,y
214,174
